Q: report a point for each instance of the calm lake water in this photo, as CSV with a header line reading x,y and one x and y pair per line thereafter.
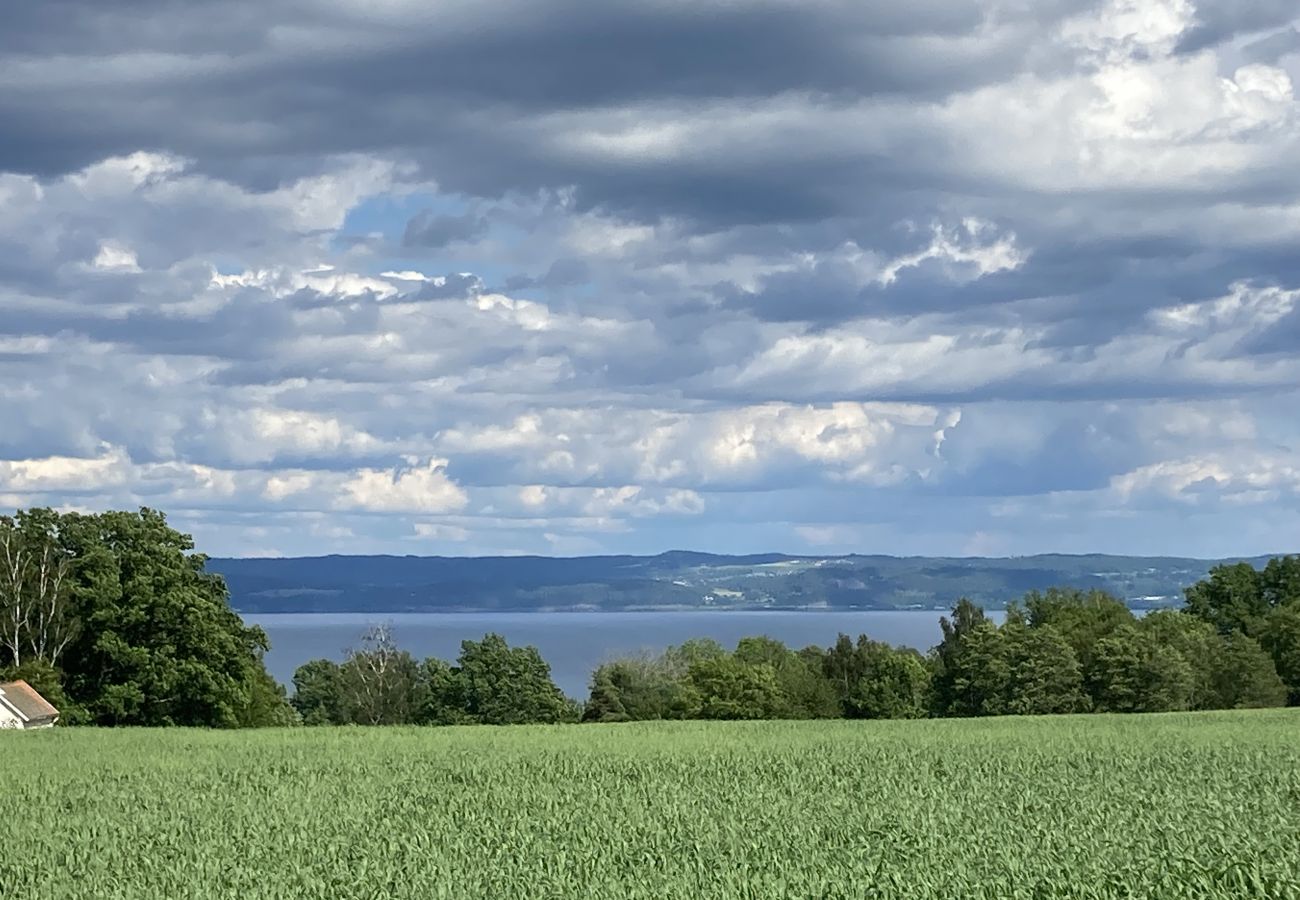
x,y
574,643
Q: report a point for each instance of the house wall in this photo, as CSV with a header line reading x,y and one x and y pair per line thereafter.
x,y
8,719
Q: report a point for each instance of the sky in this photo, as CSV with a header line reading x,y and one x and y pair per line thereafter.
x,y
949,277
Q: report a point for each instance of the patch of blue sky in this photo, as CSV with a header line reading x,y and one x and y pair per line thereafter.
x,y
382,219
387,214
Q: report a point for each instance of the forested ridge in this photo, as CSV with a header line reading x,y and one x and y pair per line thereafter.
x,y
689,580
117,620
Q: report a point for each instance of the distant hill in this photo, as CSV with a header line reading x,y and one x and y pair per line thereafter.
x,y
684,580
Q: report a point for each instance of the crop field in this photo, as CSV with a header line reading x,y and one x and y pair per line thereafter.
x,y
1177,805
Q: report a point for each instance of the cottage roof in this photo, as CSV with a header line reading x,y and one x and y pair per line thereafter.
x,y
22,697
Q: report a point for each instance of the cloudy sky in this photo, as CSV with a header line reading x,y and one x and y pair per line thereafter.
x,y
430,276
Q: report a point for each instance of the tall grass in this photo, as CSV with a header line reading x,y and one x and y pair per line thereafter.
x,y
1175,805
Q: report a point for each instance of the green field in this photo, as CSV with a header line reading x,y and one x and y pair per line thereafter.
x,y
1173,805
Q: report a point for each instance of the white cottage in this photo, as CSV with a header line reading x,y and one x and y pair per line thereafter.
x,y
22,707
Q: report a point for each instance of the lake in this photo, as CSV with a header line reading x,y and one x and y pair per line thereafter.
x,y
574,643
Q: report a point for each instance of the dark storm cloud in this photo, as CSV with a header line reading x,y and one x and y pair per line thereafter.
x,y
579,54
262,89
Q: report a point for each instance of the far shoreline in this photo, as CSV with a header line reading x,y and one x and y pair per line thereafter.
x,y
559,610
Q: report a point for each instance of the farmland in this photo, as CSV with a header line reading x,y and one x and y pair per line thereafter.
x,y
1204,805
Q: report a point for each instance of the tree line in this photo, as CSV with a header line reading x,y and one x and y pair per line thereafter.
x,y
491,683
113,617
1235,644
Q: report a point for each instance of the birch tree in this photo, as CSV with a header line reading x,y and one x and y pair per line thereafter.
x,y
36,622
14,611
380,681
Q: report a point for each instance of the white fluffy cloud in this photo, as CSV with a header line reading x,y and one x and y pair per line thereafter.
x,y
745,446
1253,479
421,488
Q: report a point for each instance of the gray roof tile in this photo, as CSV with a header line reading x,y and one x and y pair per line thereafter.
x,y
23,697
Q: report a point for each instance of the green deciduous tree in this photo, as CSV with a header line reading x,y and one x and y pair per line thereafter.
x,y
1279,581
953,690
843,666
1245,675
267,706
1257,603
1132,672
730,688
1231,599
443,699
873,680
896,686
681,657
807,693
506,685
1240,597
157,642
318,693
605,700
1081,617
1043,672
971,668
1196,641
1281,638
638,689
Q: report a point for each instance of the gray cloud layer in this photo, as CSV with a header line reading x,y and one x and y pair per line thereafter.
x,y
950,277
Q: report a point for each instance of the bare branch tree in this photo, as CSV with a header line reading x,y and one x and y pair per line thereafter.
x,y
377,681
14,609
36,622
51,626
